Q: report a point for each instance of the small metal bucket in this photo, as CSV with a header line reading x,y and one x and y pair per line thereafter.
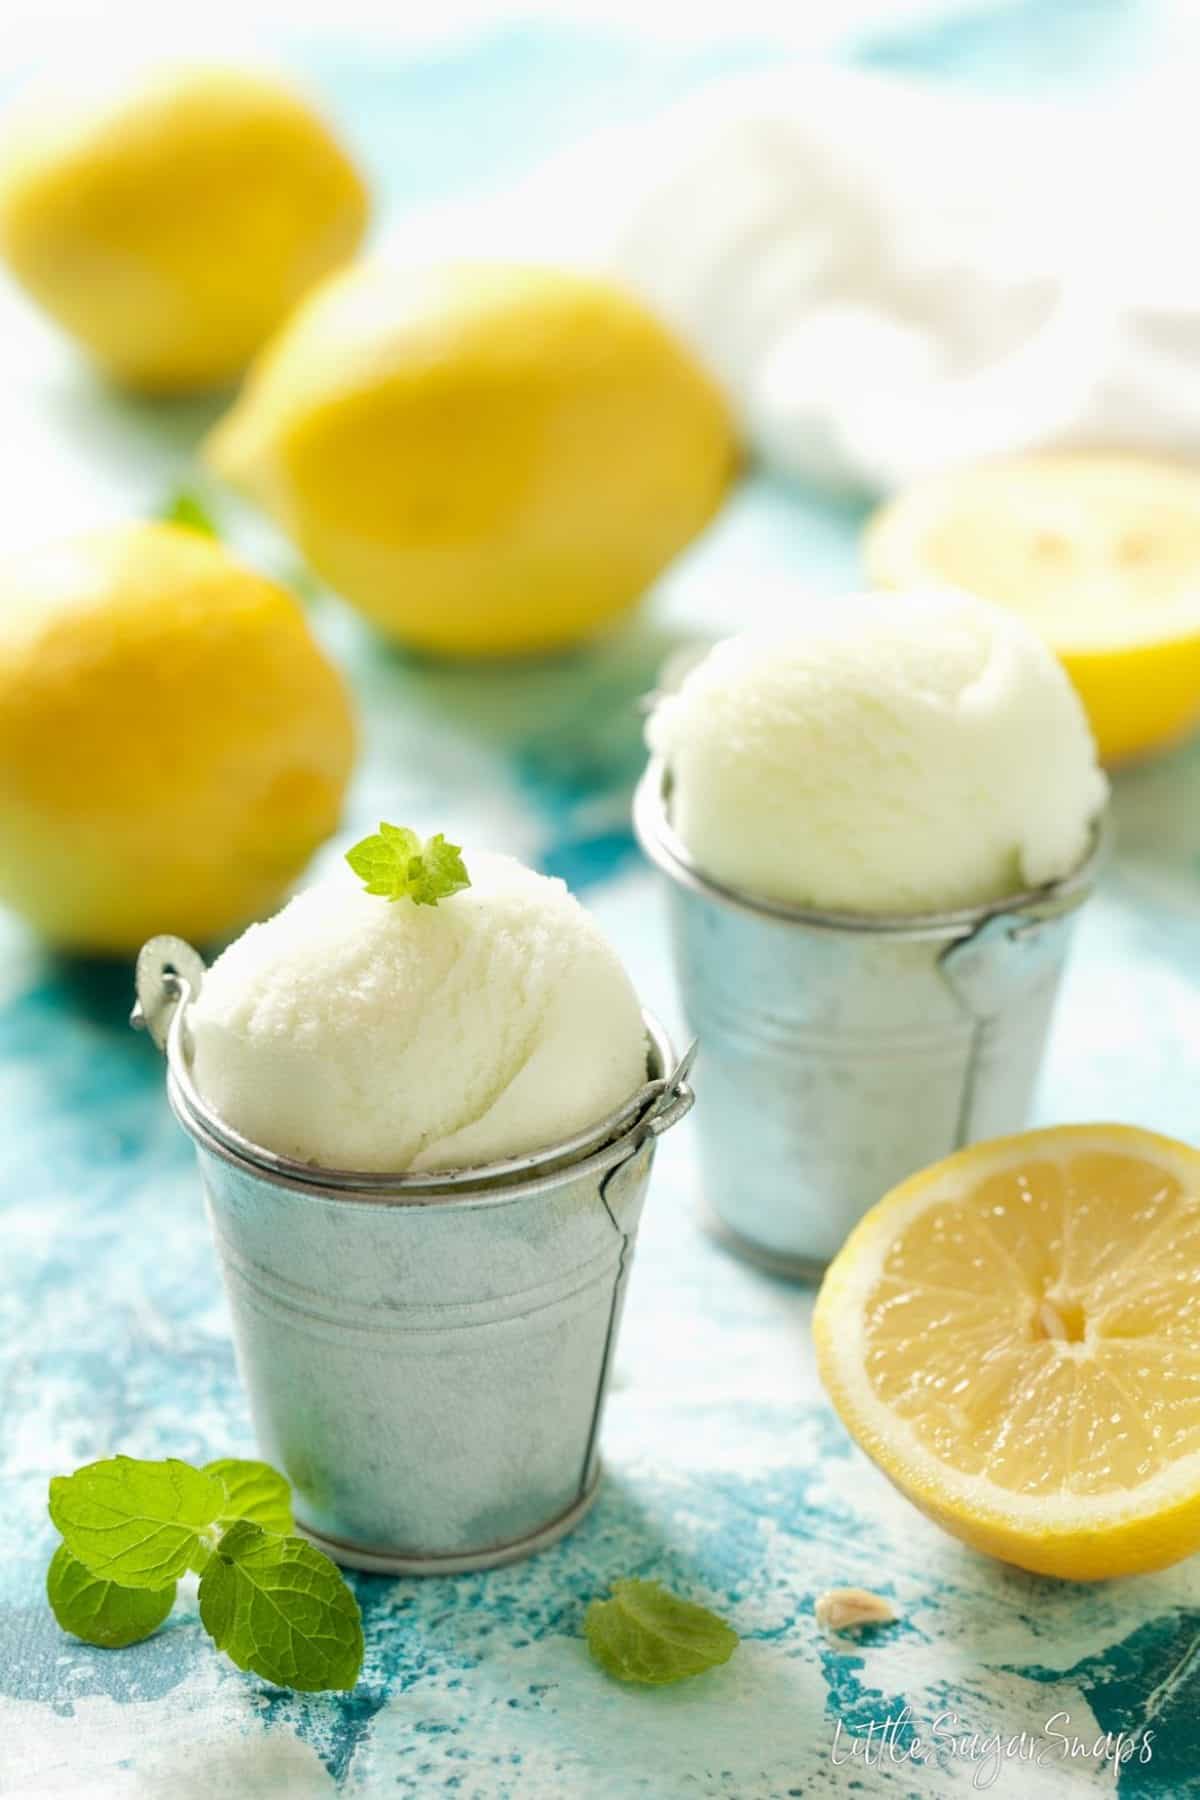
x,y
842,1053
427,1355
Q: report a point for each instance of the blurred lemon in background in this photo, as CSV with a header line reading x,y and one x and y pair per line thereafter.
x,y
1100,552
485,459
171,230
173,742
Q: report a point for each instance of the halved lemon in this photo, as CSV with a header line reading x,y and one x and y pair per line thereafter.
x,y
1099,552
1013,1335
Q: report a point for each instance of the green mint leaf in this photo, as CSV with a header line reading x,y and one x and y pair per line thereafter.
x,y
187,509
382,861
277,1606
99,1611
400,839
254,1491
135,1523
394,864
440,872
644,1633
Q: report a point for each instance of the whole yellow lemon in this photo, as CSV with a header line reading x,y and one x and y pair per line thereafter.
x,y
485,459
172,229
173,742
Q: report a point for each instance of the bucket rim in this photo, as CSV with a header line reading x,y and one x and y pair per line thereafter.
x,y
663,846
592,1152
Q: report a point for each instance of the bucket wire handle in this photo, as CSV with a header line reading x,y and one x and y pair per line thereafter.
x,y
978,969
169,974
676,1092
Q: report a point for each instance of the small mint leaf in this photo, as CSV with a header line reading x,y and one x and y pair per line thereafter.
x,y
399,838
187,509
132,1522
394,864
382,861
276,1606
254,1491
440,872
99,1611
644,1633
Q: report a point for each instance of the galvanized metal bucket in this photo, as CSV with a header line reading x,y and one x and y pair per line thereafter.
x,y
426,1356
842,1053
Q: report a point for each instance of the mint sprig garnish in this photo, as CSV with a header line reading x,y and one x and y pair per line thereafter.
x,y
395,864
645,1633
268,1598
187,509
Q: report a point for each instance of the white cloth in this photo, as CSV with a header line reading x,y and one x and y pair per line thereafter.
x,y
890,279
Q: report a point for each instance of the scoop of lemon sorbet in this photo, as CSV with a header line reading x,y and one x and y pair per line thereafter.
x,y
901,753
356,1032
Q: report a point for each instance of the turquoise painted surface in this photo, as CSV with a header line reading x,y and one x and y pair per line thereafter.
x,y
728,1476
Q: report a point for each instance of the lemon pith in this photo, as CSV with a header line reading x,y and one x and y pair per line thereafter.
x,y
1014,1337
171,228
173,742
1099,551
485,459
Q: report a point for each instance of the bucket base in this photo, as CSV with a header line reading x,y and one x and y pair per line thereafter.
x,y
781,1263
407,1562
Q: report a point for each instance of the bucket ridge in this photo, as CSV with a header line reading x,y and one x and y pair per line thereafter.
x,y
346,1319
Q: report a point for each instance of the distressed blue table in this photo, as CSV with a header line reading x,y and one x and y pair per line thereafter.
x,y
728,1476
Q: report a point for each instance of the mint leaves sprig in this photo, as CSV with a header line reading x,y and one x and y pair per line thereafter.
x,y
395,864
268,1599
186,508
645,1633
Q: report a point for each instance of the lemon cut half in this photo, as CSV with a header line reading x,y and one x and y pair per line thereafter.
x,y
1098,551
1013,1335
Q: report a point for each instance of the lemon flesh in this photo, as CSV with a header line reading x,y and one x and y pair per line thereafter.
x,y
1099,552
172,230
484,459
173,742
1014,1337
